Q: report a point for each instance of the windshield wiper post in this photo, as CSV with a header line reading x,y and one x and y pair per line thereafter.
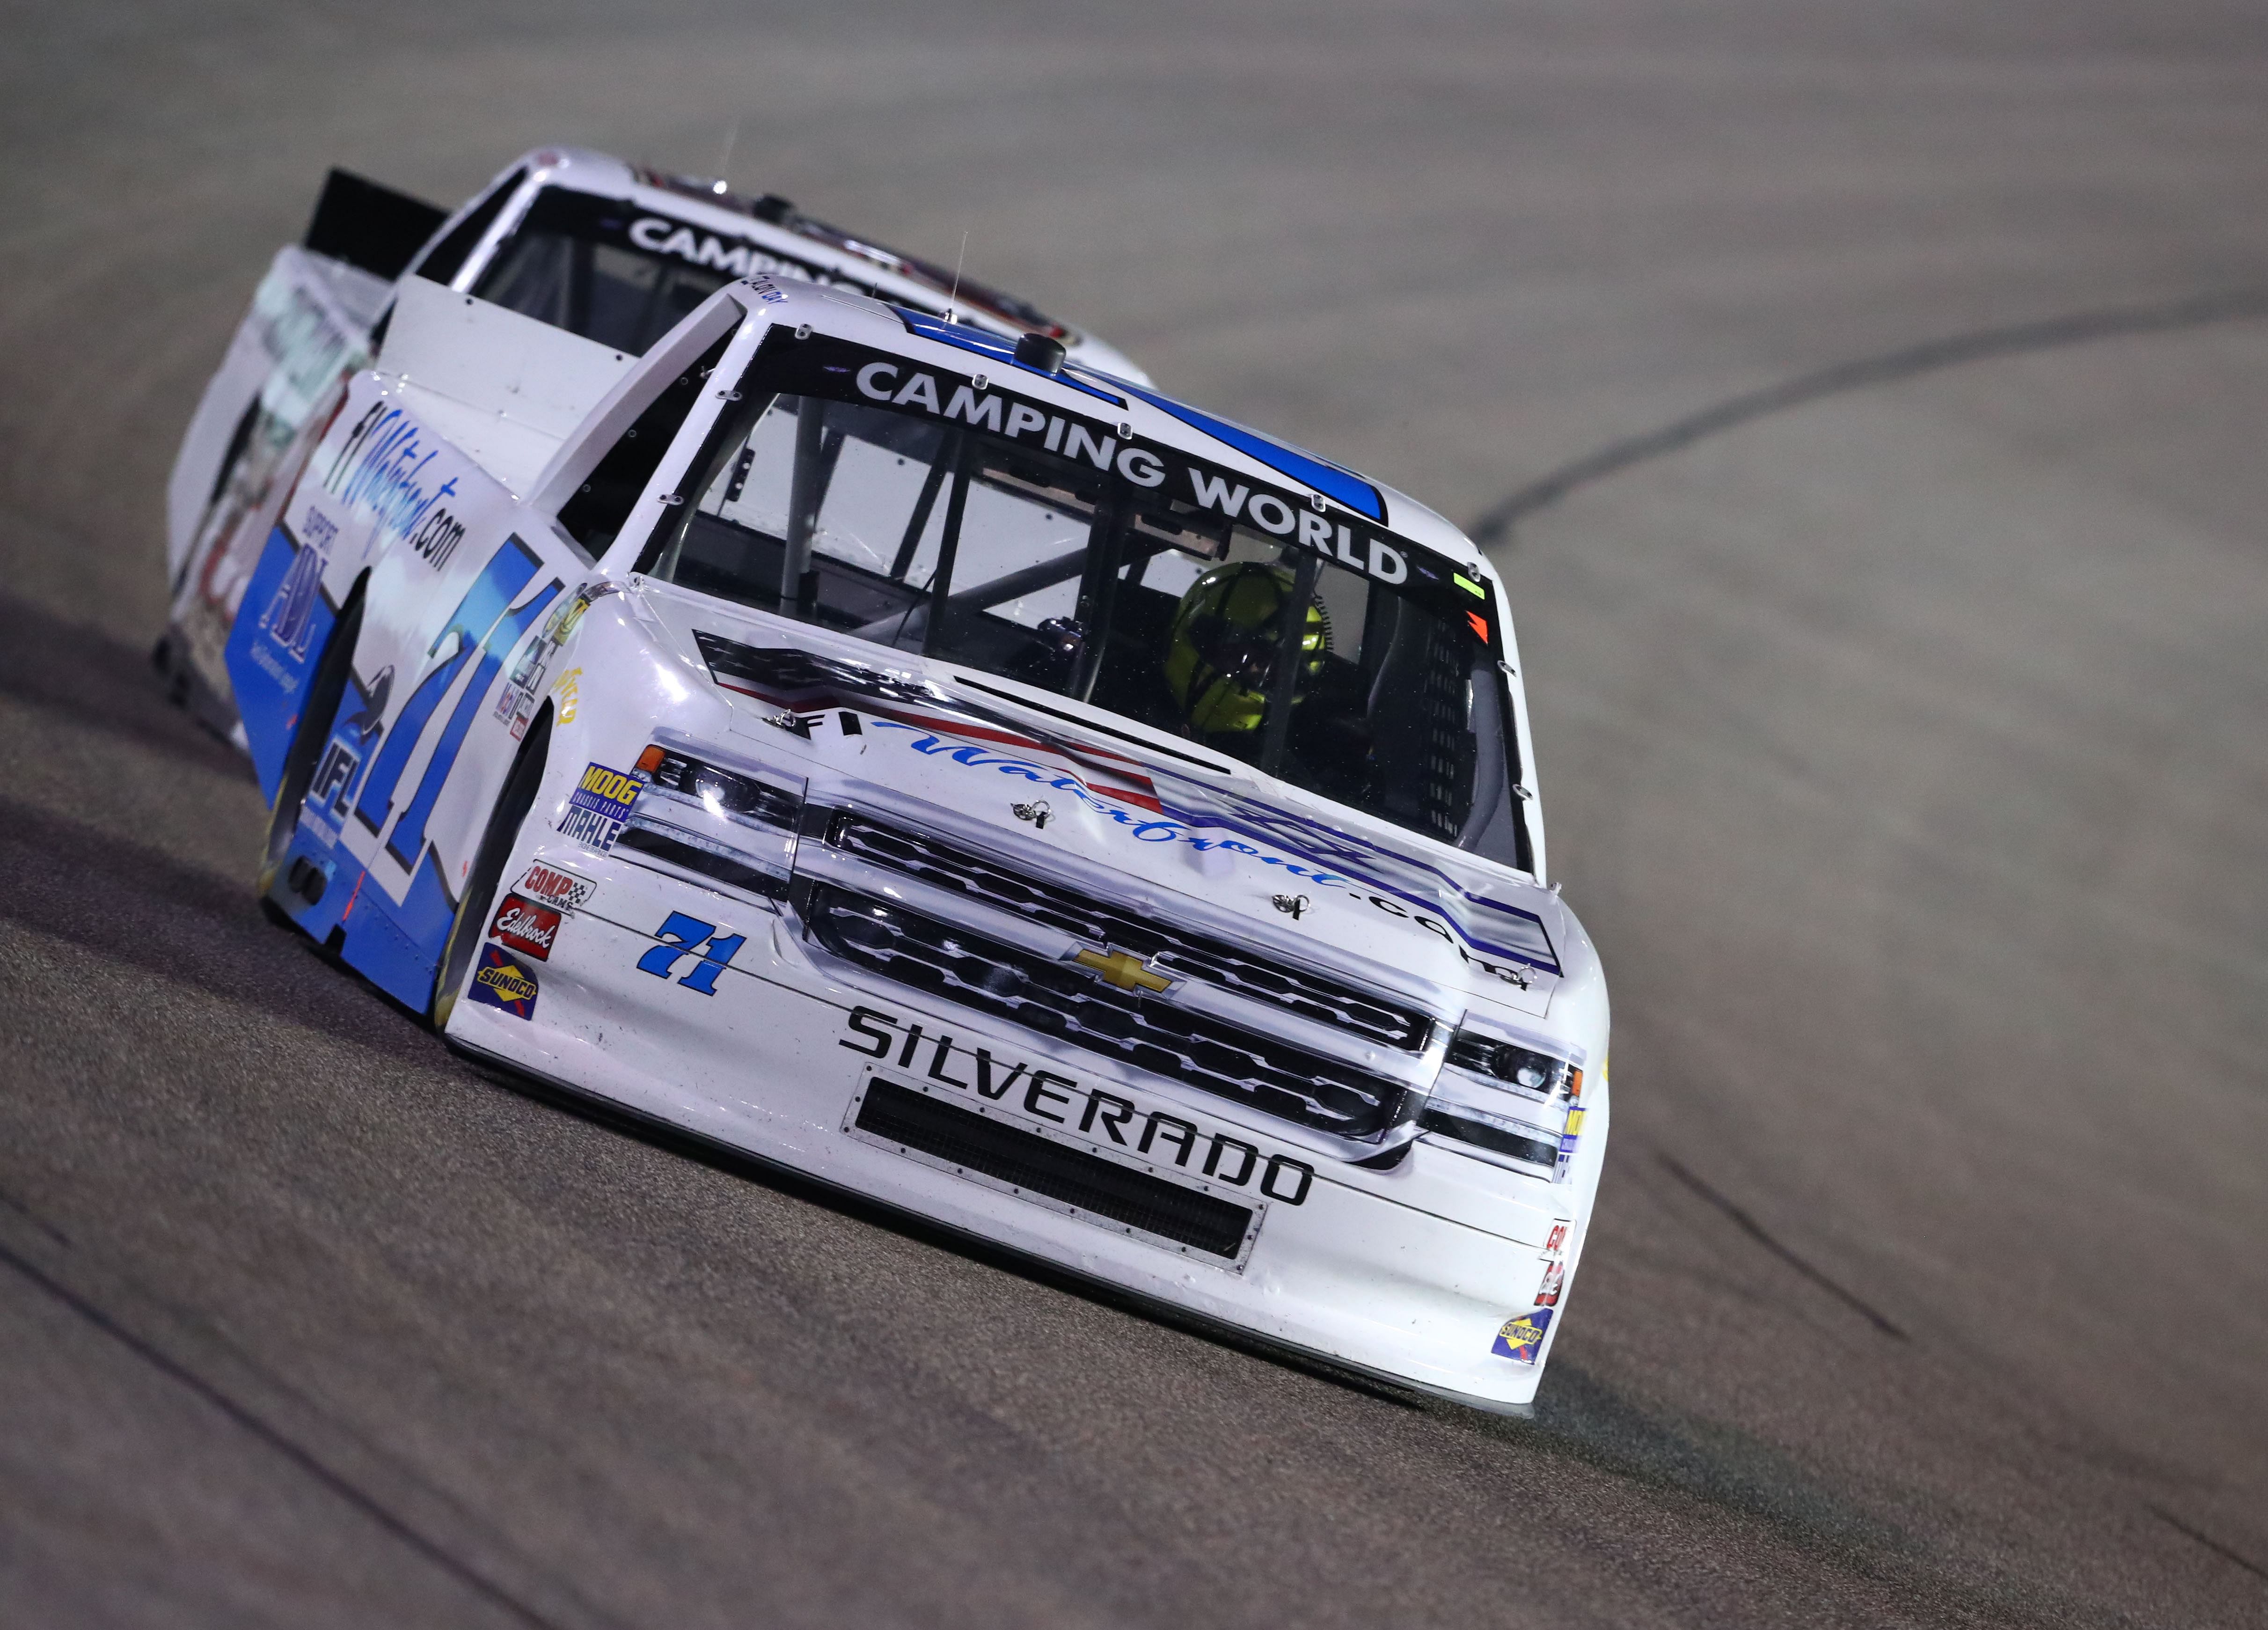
x,y
949,546
1285,684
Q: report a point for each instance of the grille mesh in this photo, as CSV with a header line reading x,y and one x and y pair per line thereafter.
x,y
1057,998
1171,951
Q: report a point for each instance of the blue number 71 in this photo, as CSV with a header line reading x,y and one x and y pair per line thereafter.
x,y
683,936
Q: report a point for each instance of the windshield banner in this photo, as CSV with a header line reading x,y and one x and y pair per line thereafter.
x,y
820,364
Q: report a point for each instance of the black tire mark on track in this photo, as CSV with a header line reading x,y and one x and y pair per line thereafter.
x,y
1755,1230
1494,525
2209,1542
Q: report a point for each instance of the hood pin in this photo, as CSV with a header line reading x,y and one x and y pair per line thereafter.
x,y
1037,812
1294,904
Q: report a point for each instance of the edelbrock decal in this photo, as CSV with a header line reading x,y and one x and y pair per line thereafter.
x,y
525,926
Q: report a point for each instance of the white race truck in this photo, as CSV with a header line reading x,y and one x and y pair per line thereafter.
x,y
963,775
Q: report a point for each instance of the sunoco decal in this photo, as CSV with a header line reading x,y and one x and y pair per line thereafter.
x,y
1522,1339
503,981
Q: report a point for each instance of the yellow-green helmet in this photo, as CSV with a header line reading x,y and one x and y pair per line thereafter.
x,y
1221,656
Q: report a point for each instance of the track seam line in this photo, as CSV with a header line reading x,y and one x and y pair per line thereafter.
x,y
1749,1226
2208,1541
1494,524
275,1437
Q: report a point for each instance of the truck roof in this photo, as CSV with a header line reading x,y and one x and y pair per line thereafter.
x,y
725,226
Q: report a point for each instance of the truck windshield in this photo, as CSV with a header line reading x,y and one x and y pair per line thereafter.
x,y
1082,572
596,267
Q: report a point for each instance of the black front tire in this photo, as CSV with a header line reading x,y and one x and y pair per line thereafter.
x,y
316,717
496,845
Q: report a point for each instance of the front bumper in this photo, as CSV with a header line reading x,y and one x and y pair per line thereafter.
x,y
1410,1273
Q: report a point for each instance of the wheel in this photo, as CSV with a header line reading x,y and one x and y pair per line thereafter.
x,y
316,717
496,845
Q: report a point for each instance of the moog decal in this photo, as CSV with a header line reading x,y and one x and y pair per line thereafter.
x,y
600,804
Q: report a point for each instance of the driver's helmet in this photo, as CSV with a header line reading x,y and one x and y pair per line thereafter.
x,y
1220,655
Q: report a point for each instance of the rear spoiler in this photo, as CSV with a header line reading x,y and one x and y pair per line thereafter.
x,y
369,226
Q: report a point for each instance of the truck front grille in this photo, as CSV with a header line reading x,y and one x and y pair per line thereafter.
x,y
1171,951
1055,999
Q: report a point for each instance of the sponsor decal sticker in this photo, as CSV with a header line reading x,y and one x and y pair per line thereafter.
x,y
338,773
1555,1277
289,617
561,890
1571,1133
526,927
516,705
386,467
1522,1339
568,688
659,235
600,804
503,981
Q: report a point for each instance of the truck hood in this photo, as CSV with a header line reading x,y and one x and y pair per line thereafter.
x,y
1129,820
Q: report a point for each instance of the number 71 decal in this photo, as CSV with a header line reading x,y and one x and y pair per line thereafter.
x,y
484,621
683,936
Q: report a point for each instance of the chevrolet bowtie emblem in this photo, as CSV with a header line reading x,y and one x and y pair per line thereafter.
x,y
1125,971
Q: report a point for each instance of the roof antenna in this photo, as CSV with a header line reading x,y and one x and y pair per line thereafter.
x,y
951,299
724,161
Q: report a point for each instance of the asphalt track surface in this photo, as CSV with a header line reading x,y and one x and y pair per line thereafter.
x,y
1900,673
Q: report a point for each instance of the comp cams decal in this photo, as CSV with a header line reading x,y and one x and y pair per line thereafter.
x,y
549,885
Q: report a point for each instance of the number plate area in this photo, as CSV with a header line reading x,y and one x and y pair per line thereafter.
x,y
987,1145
